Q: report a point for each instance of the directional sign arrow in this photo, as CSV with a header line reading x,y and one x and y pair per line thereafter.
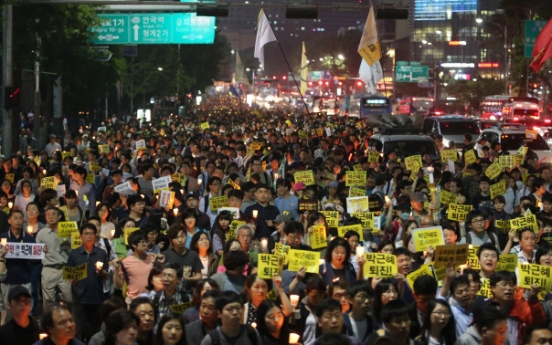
x,y
101,37
136,27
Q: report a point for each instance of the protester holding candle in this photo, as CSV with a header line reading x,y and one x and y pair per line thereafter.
x,y
256,291
88,293
272,325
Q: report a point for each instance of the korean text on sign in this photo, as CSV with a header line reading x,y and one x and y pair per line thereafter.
x,y
425,237
318,237
507,262
29,251
357,204
161,183
332,218
233,227
472,257
448,197
380,265
533,274
342,230
268,266
493,170
458,254
449,154
458,212
525,222
75,272
412,160
367,219
355,178
498,189
66,228
485,288
307,177
424,270
217,202
282,250
304,258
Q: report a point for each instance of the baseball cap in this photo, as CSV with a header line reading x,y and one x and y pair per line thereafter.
x,y
417,197
282,218
17,291
334,184
299,186
192,194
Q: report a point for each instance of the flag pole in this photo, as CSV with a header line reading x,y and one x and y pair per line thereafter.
x,y
293,76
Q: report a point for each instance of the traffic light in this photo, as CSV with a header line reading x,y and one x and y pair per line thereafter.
x,y
11,97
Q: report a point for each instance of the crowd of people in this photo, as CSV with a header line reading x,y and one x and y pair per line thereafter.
x,y
186,267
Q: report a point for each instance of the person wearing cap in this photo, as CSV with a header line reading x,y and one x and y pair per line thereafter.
x,y
332,197
285,200
417,202
279,223
22,329
52,146
299,188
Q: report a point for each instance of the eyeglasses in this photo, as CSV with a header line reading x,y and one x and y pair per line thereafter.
x,y
506,284
478,221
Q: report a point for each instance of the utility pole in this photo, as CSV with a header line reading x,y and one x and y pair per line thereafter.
x,y
7,78
37,98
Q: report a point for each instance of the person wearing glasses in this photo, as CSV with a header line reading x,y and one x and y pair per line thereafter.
x,y
478,222
438,324
88,293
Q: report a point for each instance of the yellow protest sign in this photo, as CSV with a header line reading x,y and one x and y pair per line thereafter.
x,y
94,167
525,222
304,258
303,134
472,257
233,227
507,262
425,237
355,178
485,288
412,160
380,265
493,170
217,202
332,218
318,237
342,230
10,177
234,184
458,212
273,295
449,154
469,157
48,182
357,204
90,178
180,308
320,132
75,240
458,254
65,154
424,270
103,149
256,146
533,274
498,189
373,157
357,167
356,192
268,266
367,219
204,126
448,197
523,151
263,166
282,250
66,228
127,232
75,272
503,225
307,177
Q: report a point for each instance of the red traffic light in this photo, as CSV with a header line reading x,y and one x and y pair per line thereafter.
x,y
359,83
284,77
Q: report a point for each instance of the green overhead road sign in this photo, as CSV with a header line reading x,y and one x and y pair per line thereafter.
x,y
532,31
413,73
154,28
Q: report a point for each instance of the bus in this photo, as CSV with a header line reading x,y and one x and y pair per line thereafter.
x,y
521,111
375,104
492,107
415,105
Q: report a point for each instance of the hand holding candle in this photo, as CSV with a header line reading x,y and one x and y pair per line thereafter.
x,y
255,214
4,241
264,243
360,250
294,299
293,338
30,229
99,265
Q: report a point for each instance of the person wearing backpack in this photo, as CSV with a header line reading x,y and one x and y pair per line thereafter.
x,y
163,300
478,235
231,331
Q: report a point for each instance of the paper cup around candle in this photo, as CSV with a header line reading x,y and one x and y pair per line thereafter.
x,y
4,241
293,338
321,262
99,265
254,324
30,229
97,203
255,213
42,336
360,250
44,171
264,243
10,204
175,211
112,233
294,299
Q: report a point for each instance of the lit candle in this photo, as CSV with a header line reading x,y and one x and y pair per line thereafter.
x,y
182,191
294,299
387,199
321,262
112,233
42,336
276,176
44,171
430,173
360,251
99,265
254,324
77,192
10,204
175,211
255,213
199,180
30,229
264,243
4,241
97,203
293,338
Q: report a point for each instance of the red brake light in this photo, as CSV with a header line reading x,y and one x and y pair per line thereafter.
x,y
547,121
516,118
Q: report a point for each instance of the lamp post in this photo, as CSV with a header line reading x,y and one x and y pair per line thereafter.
x,y
479,21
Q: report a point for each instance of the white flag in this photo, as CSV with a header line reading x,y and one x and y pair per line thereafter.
x,y
240,71
264,35
370,75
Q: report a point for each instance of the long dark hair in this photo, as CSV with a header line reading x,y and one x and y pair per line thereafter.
x,y
263,309
382,286
166,318
217,230
449,331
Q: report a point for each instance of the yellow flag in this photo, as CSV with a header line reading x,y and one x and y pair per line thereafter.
x,y
304,70
369,47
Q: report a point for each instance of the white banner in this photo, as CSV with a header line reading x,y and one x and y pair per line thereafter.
x,y
28,251
161,183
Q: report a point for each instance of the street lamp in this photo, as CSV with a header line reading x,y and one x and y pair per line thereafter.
x,y
160,69
341,57
479,21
